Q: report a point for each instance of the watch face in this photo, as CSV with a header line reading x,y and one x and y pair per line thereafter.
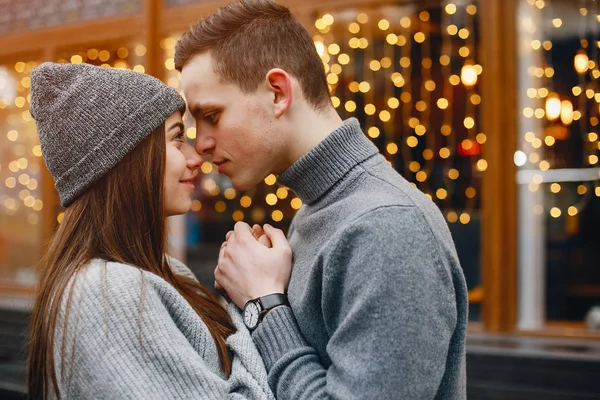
x,y
251,315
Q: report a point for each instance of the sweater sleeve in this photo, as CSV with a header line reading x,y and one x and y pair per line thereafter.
x,y
389,307
123,341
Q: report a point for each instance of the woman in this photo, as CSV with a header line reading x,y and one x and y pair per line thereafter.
x,y
114,317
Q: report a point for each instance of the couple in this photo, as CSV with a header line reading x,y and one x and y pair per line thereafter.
x,y
375,305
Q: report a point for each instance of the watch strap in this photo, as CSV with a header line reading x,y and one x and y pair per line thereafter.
x,y
272,300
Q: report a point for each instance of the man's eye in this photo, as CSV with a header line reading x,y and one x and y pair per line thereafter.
x,y
211,118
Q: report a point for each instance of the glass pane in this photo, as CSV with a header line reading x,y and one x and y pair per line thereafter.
x,y
21,166
410,74
559,203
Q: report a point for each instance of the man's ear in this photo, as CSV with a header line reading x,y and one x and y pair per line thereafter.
x,y
279,83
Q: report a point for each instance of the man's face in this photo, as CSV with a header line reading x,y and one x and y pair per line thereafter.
x,y
238,130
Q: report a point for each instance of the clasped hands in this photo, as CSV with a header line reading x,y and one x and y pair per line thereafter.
x,y
253,262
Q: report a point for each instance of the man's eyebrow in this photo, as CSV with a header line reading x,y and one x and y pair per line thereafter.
x,y
198,109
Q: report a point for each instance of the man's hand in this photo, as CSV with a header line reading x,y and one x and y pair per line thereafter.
x,y
248,268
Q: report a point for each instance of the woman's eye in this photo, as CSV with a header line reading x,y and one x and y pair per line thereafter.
x,y
180,137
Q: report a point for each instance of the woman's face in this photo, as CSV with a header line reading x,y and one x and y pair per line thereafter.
x,y
181,167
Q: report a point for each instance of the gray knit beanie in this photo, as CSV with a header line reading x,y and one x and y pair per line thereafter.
x,y
89,118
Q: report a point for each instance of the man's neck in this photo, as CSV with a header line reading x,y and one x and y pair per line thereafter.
x,y
312,128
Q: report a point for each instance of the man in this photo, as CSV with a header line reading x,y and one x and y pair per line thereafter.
x,y
377,299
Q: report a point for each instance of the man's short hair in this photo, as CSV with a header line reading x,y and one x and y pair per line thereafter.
x,y
247,38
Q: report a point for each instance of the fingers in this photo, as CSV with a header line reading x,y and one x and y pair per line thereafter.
x,y
242,229
265,241
228,235
276,236
257,231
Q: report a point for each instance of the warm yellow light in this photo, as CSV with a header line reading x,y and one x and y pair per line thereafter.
x,y
13,166
581,62
475,99
592,136
296,203
465,218
391,39
92,54
328,19
444,152
566,112
470,192
450,8
464,51
482,165
549,140
539,113
32,184
393,103
60,217
468,75
441,193
10,182
481,138
229,193
581,189
555,212
354,43
277,215
421,176
362,18
332,79
593,159
442,103
38,205
335,101
364,87
392,148
544,165
350,106
419,37
430,85
469,122
245,201
453,174
412,141
471,9
140,50
553,107
271,199
398,79
385,115
452,217
333,49
363,43
170,64
104,55
22,162
206,168
414,166
405,62
270,180
452,30
405,22
373,132
427,154
282,193
370,109
383,24
405,97
572,211
463,33
320,24
454,80
139,68
344,59
555,188
420,130
444,60
597,191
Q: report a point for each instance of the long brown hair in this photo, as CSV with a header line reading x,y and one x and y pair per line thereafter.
x,y
119,218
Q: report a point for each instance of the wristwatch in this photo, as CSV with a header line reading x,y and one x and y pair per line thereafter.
x,y
255,310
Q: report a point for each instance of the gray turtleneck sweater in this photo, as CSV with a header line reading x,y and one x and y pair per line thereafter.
x,y
378,298
131,335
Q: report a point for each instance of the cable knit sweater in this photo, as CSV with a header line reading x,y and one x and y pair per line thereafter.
x,y
378,298
132,335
